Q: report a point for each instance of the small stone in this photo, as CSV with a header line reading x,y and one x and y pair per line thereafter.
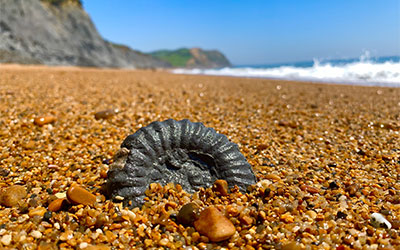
x,y
39,211
378,220
246,220
29,145
312,190
105,114
103,174
341,215
291,246
83,245
352,189
4,172
128,213
333,185
66,235
97,247
36,234
79,195
396,224
47,215
273,177
312,214
61,195
148,242
287,218
262,146
43,120
52,166
163,242
6,239
11,196
57,205
188,214
221,186
213,224
46,246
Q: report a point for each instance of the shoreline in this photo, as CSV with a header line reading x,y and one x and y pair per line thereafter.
x,y
6,66
326,158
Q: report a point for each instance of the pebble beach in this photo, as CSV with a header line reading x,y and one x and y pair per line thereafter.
x,y
326,158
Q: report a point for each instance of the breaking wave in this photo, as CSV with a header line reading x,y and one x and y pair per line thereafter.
x,y
381,71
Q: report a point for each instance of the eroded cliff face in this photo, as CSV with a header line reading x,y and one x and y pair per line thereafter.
x,y
60,32
207,59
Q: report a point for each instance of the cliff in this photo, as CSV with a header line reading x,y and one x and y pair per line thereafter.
x,y
193,58
60,32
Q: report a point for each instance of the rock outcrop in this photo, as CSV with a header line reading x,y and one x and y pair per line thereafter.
x,y
60,32
193,58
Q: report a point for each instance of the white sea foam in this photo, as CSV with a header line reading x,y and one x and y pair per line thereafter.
x,y
361,72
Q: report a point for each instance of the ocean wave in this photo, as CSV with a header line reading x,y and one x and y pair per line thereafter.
x,y
361,72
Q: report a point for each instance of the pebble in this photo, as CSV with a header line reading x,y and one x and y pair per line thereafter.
x,y
105,114
246,220
97,247
221,186
4,172
273,177
11,196
83,245
47,215
352,189
79,195
38,211
378,220
43,120
213,224
61,195
36,234
396,224
6,239
188,214
341,215
312,190
57,205
292,246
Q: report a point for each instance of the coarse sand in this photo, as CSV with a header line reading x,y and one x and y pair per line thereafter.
x,y
326,158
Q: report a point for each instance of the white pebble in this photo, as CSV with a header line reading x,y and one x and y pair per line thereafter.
x,y
36,234
264,183
83,245
6,239
378,220
129,213
61,195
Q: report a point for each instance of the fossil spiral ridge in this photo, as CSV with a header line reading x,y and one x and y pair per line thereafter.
x,y
181,152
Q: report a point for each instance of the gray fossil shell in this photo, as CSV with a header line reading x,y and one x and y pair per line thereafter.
x,y
181,152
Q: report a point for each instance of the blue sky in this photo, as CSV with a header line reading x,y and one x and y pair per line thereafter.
x,y
253,31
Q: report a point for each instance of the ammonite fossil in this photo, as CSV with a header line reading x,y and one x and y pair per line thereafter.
x,y
181,152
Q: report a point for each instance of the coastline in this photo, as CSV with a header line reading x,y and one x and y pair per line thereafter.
x,y
300,137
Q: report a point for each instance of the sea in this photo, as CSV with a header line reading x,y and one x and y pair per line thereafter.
x,y
365,70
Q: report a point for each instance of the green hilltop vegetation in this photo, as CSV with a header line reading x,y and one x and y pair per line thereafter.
x,y
60,2
192,58
177,58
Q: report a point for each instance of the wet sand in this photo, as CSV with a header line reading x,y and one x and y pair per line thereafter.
x,y
326,158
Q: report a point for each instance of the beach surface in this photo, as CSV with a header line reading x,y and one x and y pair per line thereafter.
x,y
326,158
